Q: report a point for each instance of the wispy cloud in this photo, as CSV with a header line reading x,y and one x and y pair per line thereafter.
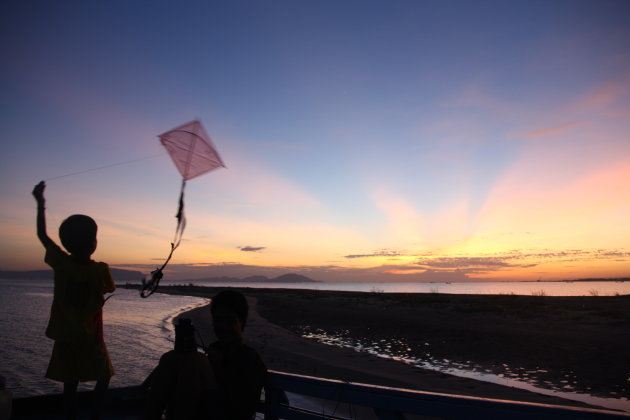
x,y
615,253
251,248
552,130
381,253
478,97
607,97
518,259
469,262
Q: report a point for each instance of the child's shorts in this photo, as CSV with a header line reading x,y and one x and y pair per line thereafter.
x,y
79,362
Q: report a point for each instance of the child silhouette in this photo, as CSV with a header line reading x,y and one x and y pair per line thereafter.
x,y
239,370
76,322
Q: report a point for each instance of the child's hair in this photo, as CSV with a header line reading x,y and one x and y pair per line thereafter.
x,y
233,300
78,233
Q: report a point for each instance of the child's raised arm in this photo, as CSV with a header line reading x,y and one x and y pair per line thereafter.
x,y
38,193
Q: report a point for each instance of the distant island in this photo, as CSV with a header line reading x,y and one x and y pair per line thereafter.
x,y
285,278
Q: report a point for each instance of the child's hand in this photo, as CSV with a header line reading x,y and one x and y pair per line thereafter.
x,y
38,192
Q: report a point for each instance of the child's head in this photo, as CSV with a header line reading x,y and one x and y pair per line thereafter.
x,y
185,336
229,310
78,234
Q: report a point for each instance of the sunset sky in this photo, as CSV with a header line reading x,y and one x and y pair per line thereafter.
x,y
364,140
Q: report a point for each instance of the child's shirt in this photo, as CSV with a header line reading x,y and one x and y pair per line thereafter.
x,y
184,384
76,312
240,375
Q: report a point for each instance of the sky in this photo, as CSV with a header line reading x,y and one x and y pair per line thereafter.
x,y
364,140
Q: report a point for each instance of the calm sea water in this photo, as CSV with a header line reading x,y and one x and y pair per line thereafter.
x,y
137,332
576,288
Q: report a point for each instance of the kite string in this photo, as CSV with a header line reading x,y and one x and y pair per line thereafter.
x,y
106,166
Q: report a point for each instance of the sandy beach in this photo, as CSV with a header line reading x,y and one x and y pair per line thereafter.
x,y
577,342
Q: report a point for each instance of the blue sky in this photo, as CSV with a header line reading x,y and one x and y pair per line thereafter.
x,y
402,130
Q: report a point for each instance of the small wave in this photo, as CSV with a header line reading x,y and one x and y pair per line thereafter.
x,y
40,294
169,321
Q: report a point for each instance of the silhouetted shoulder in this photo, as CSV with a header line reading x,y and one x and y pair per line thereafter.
x,y
240,374
55,256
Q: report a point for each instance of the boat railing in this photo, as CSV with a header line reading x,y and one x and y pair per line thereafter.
x,y
394,403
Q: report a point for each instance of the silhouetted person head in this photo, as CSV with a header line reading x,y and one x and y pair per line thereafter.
x,y
229,310
78,235
185,336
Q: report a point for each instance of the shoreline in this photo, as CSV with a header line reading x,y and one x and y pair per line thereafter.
x,y
274,314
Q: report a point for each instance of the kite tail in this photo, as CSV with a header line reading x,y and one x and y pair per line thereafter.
x,y
181,218
148,287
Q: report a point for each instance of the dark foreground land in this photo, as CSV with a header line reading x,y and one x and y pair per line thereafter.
x,y
581,343
568,343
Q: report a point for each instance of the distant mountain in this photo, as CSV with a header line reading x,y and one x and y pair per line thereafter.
x,y
253,279
118,274
293,278
285,278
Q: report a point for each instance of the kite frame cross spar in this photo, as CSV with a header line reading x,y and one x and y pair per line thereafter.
x,y
193,153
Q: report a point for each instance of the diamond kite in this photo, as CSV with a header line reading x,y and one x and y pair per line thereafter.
x,y
193,153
